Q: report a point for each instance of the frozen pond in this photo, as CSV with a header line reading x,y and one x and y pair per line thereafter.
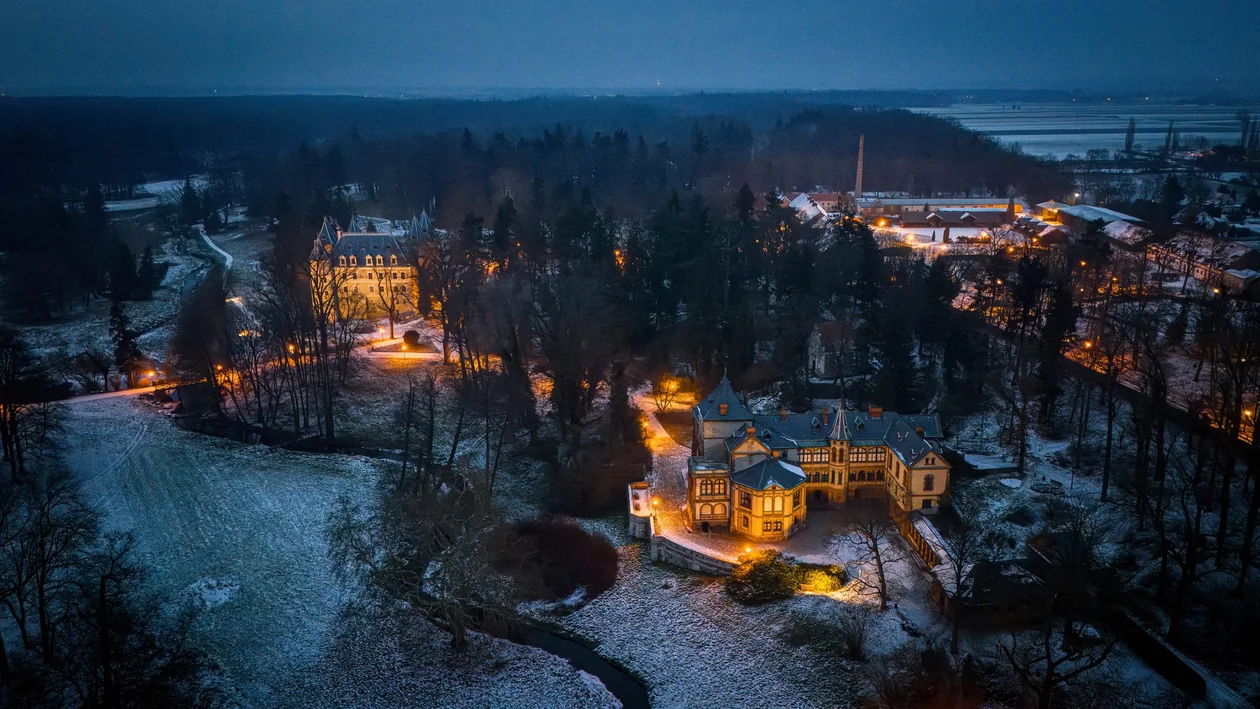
x,y
1059,129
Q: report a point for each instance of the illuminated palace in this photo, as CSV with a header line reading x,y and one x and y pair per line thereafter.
x,y
371,264
758,475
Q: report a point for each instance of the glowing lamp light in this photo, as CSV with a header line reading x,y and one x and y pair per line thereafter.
x,y
150,373
292,348
218,367
1088,344
747,550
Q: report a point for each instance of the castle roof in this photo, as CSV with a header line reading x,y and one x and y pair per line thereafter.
x,y
900,433
709,408
769,472
778,432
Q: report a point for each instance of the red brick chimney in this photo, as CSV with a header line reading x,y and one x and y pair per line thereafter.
x,y
826,415
749,430
783,414
875,411
722,409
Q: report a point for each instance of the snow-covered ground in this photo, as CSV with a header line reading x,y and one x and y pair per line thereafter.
x,y
237,532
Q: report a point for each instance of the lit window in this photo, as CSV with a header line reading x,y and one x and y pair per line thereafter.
x,y
765,526
743,521
778,525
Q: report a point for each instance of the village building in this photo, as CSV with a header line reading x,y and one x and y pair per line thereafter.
x,y
757,475
1218,263
917,208
371,267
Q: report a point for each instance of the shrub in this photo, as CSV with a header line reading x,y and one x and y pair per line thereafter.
x,y
411,338
853,623
762,577
819,578
559,557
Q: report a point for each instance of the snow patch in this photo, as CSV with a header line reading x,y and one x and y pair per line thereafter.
x,y
212,593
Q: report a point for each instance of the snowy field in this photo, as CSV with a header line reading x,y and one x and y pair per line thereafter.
x,y
1059,129
238,531
152,194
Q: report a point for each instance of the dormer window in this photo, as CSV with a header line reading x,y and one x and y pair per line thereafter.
x,y
393,260
343,261
353,262
379,261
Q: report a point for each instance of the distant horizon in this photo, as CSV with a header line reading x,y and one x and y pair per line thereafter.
x,y
1133,93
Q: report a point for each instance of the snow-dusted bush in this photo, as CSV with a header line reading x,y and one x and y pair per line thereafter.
x,y
762,577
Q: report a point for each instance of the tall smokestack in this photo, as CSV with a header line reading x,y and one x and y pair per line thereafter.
x,y
857,189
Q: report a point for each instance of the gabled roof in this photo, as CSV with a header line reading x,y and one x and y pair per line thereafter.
x,y
898,432
772,471
782,432
709,408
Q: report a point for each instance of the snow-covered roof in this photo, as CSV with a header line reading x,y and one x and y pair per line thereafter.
x,y
1091,213
1126,233
770,472
709,408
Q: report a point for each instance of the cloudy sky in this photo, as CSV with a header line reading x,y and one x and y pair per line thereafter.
x,y
388,45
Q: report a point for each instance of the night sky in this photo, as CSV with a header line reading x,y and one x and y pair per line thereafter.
x,y
397,45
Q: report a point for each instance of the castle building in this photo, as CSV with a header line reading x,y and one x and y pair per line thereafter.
x,y
758,475
370,267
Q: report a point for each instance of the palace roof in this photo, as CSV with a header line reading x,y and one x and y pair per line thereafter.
x,y
909,437
769,472
779,432
710,409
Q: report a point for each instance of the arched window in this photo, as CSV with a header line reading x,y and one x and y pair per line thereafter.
x,y
393,260
379,261
353,261
929,483
719,509
706,510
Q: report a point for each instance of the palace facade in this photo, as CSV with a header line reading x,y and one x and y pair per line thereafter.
x,y
371,266
758,475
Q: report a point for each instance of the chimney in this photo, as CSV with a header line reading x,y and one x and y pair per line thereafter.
x,y
749,431
857,187
826,413
919,430
783,414
875,411
722,409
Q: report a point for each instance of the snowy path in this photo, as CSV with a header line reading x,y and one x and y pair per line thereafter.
x,y
227,258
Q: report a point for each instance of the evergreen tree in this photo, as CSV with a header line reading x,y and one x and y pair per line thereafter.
x,y
503,242
147,278
190,204
122,273
746,203
127,355
1059,326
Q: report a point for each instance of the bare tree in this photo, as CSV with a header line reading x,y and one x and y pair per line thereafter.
x,y
965,547
664,391
871,537
1046,659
